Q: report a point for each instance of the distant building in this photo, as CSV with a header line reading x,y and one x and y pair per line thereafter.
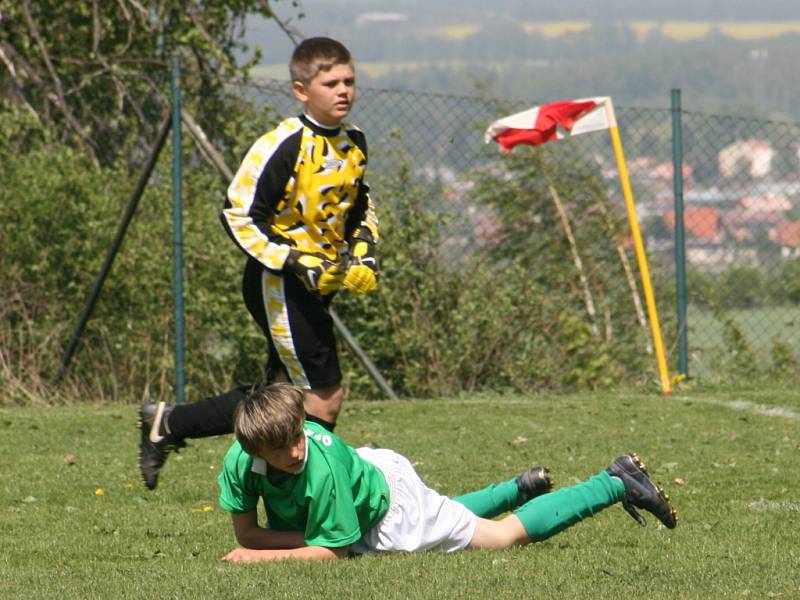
x,y
787,235
753,157
711,197
700,222
648,168
752,211
666,171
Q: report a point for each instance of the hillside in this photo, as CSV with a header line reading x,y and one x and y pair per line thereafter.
x,y
738,60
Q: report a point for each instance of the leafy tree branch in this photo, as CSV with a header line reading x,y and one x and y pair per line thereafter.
x,y
97,73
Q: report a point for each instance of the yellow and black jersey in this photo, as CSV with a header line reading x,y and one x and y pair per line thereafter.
x,y
302,186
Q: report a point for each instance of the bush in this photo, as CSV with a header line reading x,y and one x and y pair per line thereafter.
x,y
741,287
58,215
784,286
455,312
478,292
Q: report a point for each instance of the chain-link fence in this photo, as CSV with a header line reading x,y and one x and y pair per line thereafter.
x,y
741,211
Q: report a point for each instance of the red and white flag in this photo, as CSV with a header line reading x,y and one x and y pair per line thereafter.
x,y
550,122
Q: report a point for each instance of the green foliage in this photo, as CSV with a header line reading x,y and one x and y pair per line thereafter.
x,y
784,364
741,287
456,311
784,285
461,312
747,287
462,306
477,292
404,322
739,359
595,347
52,204
58,214
98,75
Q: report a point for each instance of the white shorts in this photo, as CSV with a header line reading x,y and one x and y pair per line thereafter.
x,y
418,518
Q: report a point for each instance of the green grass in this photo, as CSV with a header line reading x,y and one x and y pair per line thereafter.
x,y
734,461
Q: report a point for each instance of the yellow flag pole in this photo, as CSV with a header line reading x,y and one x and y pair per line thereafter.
x,y
650,300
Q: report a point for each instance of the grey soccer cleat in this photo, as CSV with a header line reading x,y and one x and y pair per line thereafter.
x,y
641,491
534,482
155,442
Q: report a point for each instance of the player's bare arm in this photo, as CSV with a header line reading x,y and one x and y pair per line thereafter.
x,y
251,536
248,555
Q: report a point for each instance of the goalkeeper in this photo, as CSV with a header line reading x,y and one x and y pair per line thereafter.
x,y
300,210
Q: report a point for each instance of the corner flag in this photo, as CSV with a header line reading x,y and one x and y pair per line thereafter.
x,y
551,122
558,120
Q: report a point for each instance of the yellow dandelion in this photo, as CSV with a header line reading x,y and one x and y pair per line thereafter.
x,y
99,492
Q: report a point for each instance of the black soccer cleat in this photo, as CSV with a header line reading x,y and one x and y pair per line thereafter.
x,y
641,491
534,482
155,444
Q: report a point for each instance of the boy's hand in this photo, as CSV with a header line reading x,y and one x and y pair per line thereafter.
x,y
316,272
243,555
362,274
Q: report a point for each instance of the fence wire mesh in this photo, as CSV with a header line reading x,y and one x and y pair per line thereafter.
x,y
741,206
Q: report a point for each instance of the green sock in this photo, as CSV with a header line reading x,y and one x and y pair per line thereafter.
x,y
492,500
548,514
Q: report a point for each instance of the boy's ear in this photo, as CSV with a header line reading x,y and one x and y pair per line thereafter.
x,y
299,91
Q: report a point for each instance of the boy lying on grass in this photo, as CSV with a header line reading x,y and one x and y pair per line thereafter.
x,y
325,499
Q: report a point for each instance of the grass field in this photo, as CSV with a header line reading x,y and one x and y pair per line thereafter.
x,y
760,326
75,521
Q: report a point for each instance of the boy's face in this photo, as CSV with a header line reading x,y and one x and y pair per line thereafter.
x,y
290,459
328,97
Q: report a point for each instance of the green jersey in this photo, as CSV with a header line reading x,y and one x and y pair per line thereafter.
x,y
335,500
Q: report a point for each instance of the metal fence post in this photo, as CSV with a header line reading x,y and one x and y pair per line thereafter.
x,y
177,232
680,236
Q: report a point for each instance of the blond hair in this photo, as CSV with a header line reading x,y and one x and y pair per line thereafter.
x,y
317,54
271,416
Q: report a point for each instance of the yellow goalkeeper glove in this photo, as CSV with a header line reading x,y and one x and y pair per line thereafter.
x,y
315,271
362,272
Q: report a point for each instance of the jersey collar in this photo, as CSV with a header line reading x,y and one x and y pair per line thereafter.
x,y
318,127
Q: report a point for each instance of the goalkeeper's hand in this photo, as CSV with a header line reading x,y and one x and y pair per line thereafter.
x,y
362,272
317,273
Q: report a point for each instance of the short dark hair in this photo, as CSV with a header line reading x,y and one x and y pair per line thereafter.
x,y
271,416
316,54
